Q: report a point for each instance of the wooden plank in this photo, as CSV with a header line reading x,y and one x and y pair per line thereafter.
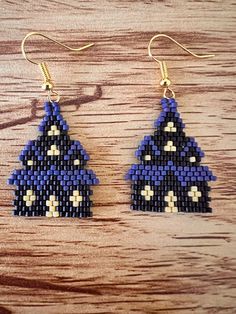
x,y
119,261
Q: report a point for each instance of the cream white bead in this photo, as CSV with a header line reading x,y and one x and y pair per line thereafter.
x,y
76,162
147,157
192,159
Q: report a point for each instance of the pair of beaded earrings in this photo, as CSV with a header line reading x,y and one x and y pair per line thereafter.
x,y
54,181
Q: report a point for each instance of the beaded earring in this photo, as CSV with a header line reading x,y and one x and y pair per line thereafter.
x,y
170,177
53,181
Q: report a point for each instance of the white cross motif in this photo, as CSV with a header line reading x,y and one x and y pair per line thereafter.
x,y
147,193
76,198
29,198
194,193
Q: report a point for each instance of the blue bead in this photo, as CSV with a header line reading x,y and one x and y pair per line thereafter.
x,y
10,181
65,128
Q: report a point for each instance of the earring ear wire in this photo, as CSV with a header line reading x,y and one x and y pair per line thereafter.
x,y
48,83
165,81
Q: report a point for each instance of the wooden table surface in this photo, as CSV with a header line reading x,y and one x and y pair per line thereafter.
x,y
119,261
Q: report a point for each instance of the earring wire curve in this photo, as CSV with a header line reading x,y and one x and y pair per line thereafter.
x,y
49,38
47,84
165,82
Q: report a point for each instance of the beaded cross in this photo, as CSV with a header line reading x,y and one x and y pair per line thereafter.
x,y
169,177
54,181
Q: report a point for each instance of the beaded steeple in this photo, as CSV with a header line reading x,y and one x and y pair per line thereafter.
x,y
170,177
54,181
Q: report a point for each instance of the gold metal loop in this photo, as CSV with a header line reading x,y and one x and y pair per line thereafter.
x,y
165,82
168,93
53,96
47,83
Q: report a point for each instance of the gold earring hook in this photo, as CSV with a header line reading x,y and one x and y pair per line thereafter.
x,y
165,82
47,85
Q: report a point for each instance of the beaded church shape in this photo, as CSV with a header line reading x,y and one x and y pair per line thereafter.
x,y
54,181
169,177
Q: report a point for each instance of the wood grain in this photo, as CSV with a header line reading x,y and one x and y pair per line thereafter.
x,y
119,261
